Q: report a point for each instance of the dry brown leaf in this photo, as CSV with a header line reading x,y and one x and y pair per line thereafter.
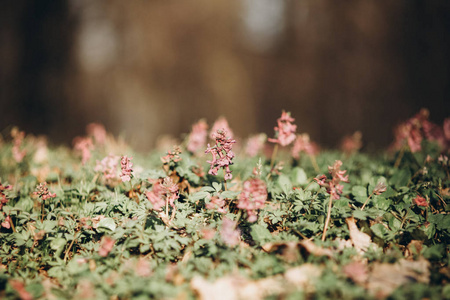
x,y
288,250
304,275
385,278
361,241
312,248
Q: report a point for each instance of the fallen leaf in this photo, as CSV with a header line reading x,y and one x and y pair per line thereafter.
x,y
304,275
356,271
361,241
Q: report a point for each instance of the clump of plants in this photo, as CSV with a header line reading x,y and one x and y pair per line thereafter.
x,y
217,216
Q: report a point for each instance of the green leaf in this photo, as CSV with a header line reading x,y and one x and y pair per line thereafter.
x,y
198,196
379,230
285,183
260,233
107,223
300,177
400,178
360,193
229,195
360,214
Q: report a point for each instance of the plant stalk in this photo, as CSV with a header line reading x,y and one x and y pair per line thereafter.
x,y
327,221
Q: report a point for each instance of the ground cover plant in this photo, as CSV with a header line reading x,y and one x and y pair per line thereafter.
x,y
213,216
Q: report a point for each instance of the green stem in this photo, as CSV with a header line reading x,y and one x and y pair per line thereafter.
x,y
327,221
399,157
314,163
274,154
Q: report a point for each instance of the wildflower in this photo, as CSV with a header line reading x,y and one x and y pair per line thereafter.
x,y
106,245
19,287
417,128
43,192
443,159
197,137
252,197
255,144
173,156
220,124
18,137
285,131
351,144
420,201
3,199
108,166
446,128
84,146
333,186
380,188
126,166
228,232
7,223
222,154
304,144
143,268
162,193
217,203
97,131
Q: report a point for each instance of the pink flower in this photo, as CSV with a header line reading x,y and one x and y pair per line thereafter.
x,y
97,131
173,156
19,287
197,137
220,124
108,166
252,197
18,136
420,201
6,224
43,192
126,166
228,232
303,144
84,146
162,192
285,131
333,186
352,143
222,154
143,268
106,245
217,203
255,144
417,128
380,188
446,127
3,199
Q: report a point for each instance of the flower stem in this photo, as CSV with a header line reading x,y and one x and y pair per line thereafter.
x,y
274,154
12,224
42,211
314,163
327,221
367,200
399,157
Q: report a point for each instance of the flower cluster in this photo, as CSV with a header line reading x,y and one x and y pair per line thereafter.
x,y
220,124
18,137
84,146
127,167
304,144
352,143
228,232
162,193
217,203
285,131
43,192
420,201
98,132
3,199
222,154
106,245
417,128
197,137
333,186
252,197
108,166
255,144
172,157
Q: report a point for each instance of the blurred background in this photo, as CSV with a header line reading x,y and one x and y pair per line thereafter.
x,y
147,68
